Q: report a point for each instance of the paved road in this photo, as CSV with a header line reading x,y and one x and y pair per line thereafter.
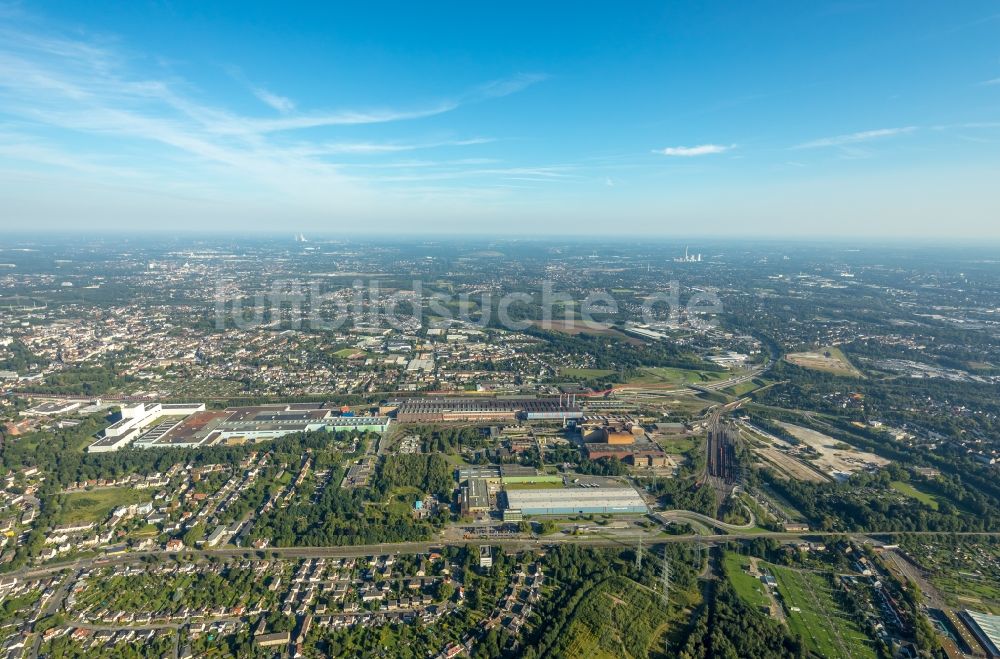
x,y
511,544
53,605
152,625
690,515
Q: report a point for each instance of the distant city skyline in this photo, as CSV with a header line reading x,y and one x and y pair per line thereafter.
x,y
797,120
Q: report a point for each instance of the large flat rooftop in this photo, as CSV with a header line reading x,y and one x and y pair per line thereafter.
x,y
576,499
477,494
986,627
477,403
469,407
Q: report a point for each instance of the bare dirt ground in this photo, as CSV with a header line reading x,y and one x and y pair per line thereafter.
x,y
789,466
778,453
830,360
834,459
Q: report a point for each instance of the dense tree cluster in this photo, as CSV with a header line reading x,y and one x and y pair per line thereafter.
x,y
727,628
444,439
618,355
19,359
865,502
610,466
582,574
341,517
429,473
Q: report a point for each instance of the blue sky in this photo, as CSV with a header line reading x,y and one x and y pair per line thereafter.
x,y
671,118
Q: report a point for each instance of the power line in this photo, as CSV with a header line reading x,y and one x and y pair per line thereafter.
x,y
665,579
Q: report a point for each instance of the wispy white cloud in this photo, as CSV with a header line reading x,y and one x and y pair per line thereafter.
x,y
548,174
76,104
421,164
855,138
282,104
968,125
507,86
376,148
691,151
236,125
18,147
990,83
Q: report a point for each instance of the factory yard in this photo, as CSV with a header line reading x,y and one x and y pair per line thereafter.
x,y
788,466
778,454
834,458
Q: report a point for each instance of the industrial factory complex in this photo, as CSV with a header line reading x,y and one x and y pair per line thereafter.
x,y
547,494
140,419
526,491
159,425
149,425
621,437
429,410
575,500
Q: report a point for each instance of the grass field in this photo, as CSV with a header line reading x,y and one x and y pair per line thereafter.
x,y
574,326
147,531
347,352
914,493
455,460
676,376
679,446
813,613
743,388
968,591
584,373
404,490
94,506
749,588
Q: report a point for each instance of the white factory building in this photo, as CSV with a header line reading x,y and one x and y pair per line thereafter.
x,y
136,418
573,501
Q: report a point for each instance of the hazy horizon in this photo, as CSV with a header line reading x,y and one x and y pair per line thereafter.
x,y
617,241
838,120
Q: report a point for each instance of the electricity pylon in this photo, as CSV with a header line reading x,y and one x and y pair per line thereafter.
x,y
665,580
